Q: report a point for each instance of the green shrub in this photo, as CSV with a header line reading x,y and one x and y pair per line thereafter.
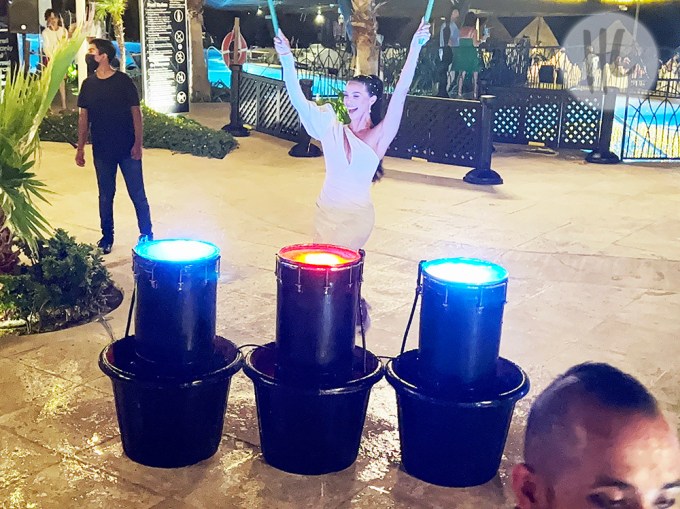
x,y
178,134
67,283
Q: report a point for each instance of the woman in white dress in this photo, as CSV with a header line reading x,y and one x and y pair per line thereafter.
x,y
353,153
53,34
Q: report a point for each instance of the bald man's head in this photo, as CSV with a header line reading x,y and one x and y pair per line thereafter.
x,y
595,436
556,419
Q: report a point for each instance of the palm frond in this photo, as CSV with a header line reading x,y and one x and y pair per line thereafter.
x,y
24,102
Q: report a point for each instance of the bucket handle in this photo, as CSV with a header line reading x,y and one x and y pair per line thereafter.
x,y
132,306
362,253
419,291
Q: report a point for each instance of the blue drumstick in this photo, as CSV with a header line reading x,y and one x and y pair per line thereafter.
x,y
275,20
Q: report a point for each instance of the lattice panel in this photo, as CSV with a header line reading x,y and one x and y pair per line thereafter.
x,y
414,131
581,118
268,112
248,101
290,120
456,134
506,124
439,130
542,119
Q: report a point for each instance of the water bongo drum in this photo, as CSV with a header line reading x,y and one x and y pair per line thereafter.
x,y
316,309
460,321
176,283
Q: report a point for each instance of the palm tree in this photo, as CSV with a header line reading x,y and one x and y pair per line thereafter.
x,y
24,102
115,9
364,34
200,86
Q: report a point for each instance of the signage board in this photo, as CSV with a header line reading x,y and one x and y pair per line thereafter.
x,y
165,55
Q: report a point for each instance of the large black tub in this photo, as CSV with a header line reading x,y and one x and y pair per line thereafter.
x,y
310,428
169,418
456,440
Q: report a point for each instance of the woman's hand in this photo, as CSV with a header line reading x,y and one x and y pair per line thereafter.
x,y
421,36
281,44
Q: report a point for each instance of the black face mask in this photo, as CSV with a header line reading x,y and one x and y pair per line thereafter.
x,y
91,63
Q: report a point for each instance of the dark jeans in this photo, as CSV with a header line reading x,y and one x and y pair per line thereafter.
x,y
134,181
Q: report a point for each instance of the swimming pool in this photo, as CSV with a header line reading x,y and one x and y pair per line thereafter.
x,y
218,72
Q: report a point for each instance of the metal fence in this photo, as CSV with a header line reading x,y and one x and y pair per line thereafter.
x,y
647,127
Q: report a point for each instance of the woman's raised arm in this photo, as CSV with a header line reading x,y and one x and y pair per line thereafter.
x,y
315,119
390,124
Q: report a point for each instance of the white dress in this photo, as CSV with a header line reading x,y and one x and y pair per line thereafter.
x,y
51,39
345,215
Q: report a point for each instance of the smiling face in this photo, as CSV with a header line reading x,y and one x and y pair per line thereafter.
x,y
617,460
358,101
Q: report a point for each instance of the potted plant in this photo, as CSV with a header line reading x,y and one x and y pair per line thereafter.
x,y
24,102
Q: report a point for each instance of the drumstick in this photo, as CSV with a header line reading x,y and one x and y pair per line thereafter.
x,y
428,14
275,20
428,11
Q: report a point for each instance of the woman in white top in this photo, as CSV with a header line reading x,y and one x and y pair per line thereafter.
x,y
53,34
353,152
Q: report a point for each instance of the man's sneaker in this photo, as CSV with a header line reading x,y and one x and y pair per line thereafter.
x,y
105,245
145,238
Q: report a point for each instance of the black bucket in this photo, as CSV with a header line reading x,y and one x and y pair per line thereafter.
x,y
176,300
456,441
169,420
306,429
316,309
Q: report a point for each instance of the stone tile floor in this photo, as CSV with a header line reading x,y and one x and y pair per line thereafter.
x,y
594,275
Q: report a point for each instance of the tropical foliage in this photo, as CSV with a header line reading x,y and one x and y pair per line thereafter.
x,y
176,133
115,9
24,102
67,284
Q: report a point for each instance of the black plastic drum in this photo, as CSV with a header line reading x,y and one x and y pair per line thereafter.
x,y
176,300
460,321
316,312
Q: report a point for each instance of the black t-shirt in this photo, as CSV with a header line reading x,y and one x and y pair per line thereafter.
x,y
108,103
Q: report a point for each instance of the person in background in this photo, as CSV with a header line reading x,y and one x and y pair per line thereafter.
x,y
596,439
353,153
109,106
53,34
465,56
448,41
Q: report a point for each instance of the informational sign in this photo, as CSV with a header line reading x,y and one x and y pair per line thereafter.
x,y
8,51
165,55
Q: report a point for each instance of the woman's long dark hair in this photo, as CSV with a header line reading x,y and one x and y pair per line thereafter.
x,y
374,87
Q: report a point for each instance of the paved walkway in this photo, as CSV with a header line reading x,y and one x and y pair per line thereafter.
x,y
594,275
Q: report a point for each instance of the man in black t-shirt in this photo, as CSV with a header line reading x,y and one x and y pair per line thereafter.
x,y
109,106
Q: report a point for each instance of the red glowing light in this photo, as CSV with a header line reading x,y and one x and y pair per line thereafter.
x,y
319,255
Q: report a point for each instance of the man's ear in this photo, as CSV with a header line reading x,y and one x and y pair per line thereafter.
x,y
527,487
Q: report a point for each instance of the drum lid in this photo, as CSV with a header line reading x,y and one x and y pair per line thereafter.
x,y
464,272
319,256
177,251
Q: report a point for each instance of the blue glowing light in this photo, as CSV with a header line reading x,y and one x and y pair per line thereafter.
x,y
467,271
177,250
